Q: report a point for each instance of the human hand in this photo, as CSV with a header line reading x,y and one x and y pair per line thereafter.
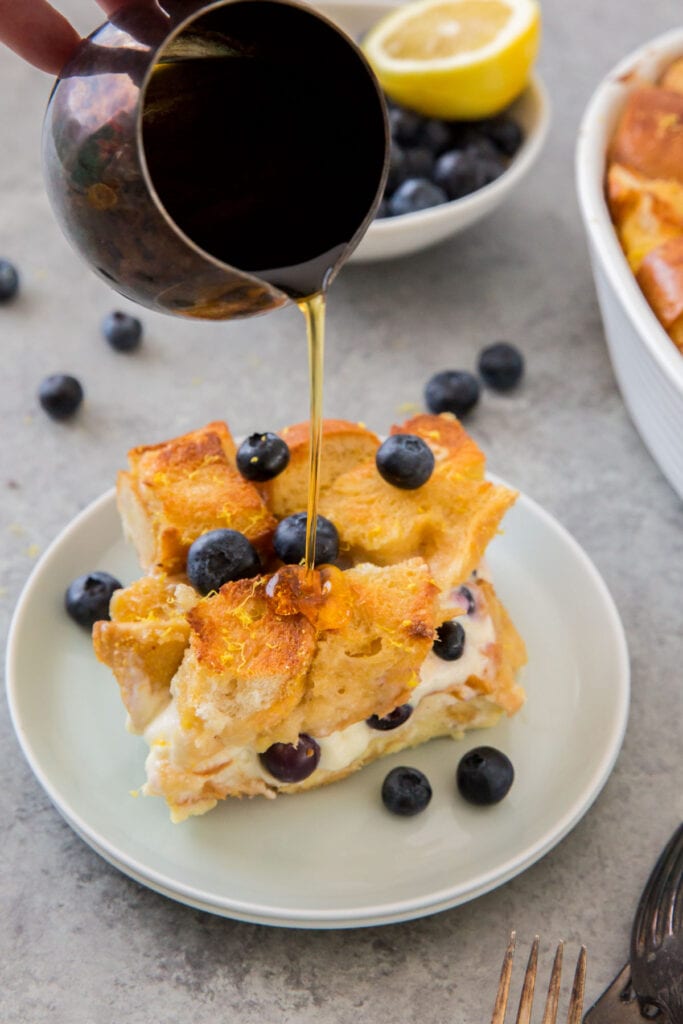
x,y
43,36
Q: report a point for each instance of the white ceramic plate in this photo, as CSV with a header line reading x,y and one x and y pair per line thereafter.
x,y
390,237
331,858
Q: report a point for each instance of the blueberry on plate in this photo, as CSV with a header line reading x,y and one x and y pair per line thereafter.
x,y
405,461
292,762
391,721
406,791
262,456
87,598
60,395
416,194
450,641
484,776
458,173
9,281
501,366
221,556
122,331
455,391
289,540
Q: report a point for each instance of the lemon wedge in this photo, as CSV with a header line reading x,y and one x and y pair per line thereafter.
x,y
455,59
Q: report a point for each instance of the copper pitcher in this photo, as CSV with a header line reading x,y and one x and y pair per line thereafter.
x,y
215,160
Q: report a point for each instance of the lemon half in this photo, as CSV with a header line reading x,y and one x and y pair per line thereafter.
x,y
455,59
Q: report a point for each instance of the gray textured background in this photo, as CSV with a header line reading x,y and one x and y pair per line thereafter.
x,y
79,942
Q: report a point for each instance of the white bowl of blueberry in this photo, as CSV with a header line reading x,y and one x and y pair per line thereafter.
x,y
443,175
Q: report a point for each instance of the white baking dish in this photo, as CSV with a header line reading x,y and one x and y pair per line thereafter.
x,y
648,366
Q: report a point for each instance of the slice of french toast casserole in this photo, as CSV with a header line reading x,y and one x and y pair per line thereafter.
x,y
343,663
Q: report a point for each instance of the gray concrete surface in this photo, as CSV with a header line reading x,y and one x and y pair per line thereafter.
x,y
80,942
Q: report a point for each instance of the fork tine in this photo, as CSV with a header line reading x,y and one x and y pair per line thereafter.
x,y
576,1001
504,983
550,1012
527,998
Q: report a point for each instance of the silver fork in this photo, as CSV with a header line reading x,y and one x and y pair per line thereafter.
x,y
657,937
527,996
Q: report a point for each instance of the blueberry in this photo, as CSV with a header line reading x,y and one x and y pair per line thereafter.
x,y
436,136
87,598
466,595
455,391
450,640
9,281
457,172
289,540
490,168
289,762
221,556
398,170
482,148
501,366
505,133
60,395
416,194
484,776
406,791
405,461
395,718
406,126
419,162
122,331
262,456
465,134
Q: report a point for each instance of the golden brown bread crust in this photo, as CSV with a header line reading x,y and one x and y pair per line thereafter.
x,y
144,643
661,278
179,489
649,134
647,212
345,445
144,660
507,657
672,79
367,664
449,521
212,681
246,666
644,190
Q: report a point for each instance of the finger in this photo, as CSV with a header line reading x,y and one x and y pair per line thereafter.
x,y
115,6
38,33
144,19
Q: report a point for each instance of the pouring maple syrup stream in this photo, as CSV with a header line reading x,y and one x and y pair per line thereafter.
x,y
313,310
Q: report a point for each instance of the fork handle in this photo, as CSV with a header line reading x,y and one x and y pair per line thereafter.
x,y
618,1004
